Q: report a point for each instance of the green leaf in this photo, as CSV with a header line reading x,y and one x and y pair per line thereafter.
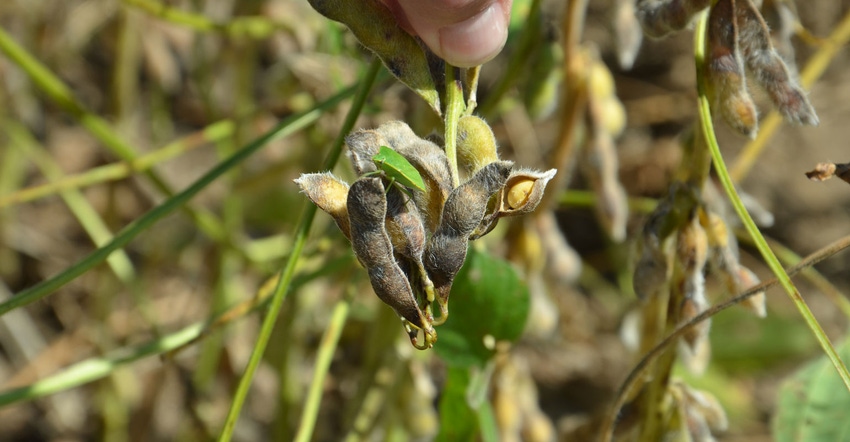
x,y
814,405
488,298
457,420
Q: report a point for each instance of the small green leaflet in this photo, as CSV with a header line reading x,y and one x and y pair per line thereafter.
x,y
398,169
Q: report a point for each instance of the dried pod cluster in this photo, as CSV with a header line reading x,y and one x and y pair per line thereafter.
x,y
739,43
606,120
412,237
682,240
698,414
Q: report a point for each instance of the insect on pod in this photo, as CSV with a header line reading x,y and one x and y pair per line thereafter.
x,y
398,169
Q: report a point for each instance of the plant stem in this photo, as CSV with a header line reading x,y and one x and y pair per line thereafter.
x,y
141,224
323,363
729,187
607,428
301,234
454,109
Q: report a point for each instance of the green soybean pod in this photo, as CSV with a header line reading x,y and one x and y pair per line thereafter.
x,y
397,168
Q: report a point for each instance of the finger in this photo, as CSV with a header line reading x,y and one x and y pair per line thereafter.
x,y
465,33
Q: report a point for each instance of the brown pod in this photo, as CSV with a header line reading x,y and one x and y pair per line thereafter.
x,y
768,68
362,146
330,194
367,209
660,18
464,209
725,70
407,234
430,161
627,32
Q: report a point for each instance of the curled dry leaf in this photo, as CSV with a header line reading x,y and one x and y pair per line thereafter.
x,y
825,171
330,194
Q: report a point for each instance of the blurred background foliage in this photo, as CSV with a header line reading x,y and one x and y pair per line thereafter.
x,y
109,107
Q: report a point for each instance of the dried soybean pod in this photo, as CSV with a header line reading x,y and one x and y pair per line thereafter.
x,y
768,68
407,235
521,194
367,209
464,209
627,32
725,70
375,27
330,194
466,204
601,166
363,145
660,18
431,162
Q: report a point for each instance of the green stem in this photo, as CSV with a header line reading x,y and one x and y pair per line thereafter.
x,y
287,126
729,187
61,94
323,363
454,109
301,234
93,369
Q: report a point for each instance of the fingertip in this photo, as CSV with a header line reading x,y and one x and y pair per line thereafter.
x,y
476,40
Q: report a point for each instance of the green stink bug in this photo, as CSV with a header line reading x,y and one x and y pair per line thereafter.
x,y
398,169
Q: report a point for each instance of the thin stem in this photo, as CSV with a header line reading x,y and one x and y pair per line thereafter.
x,y
573,102
141,224
454,109
323,363
729,187
62,95
256,27
301,234
116,171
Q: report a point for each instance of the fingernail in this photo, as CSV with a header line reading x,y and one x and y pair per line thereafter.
x,y
476,40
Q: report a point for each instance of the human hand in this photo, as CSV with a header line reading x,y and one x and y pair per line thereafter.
x,y
465,33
